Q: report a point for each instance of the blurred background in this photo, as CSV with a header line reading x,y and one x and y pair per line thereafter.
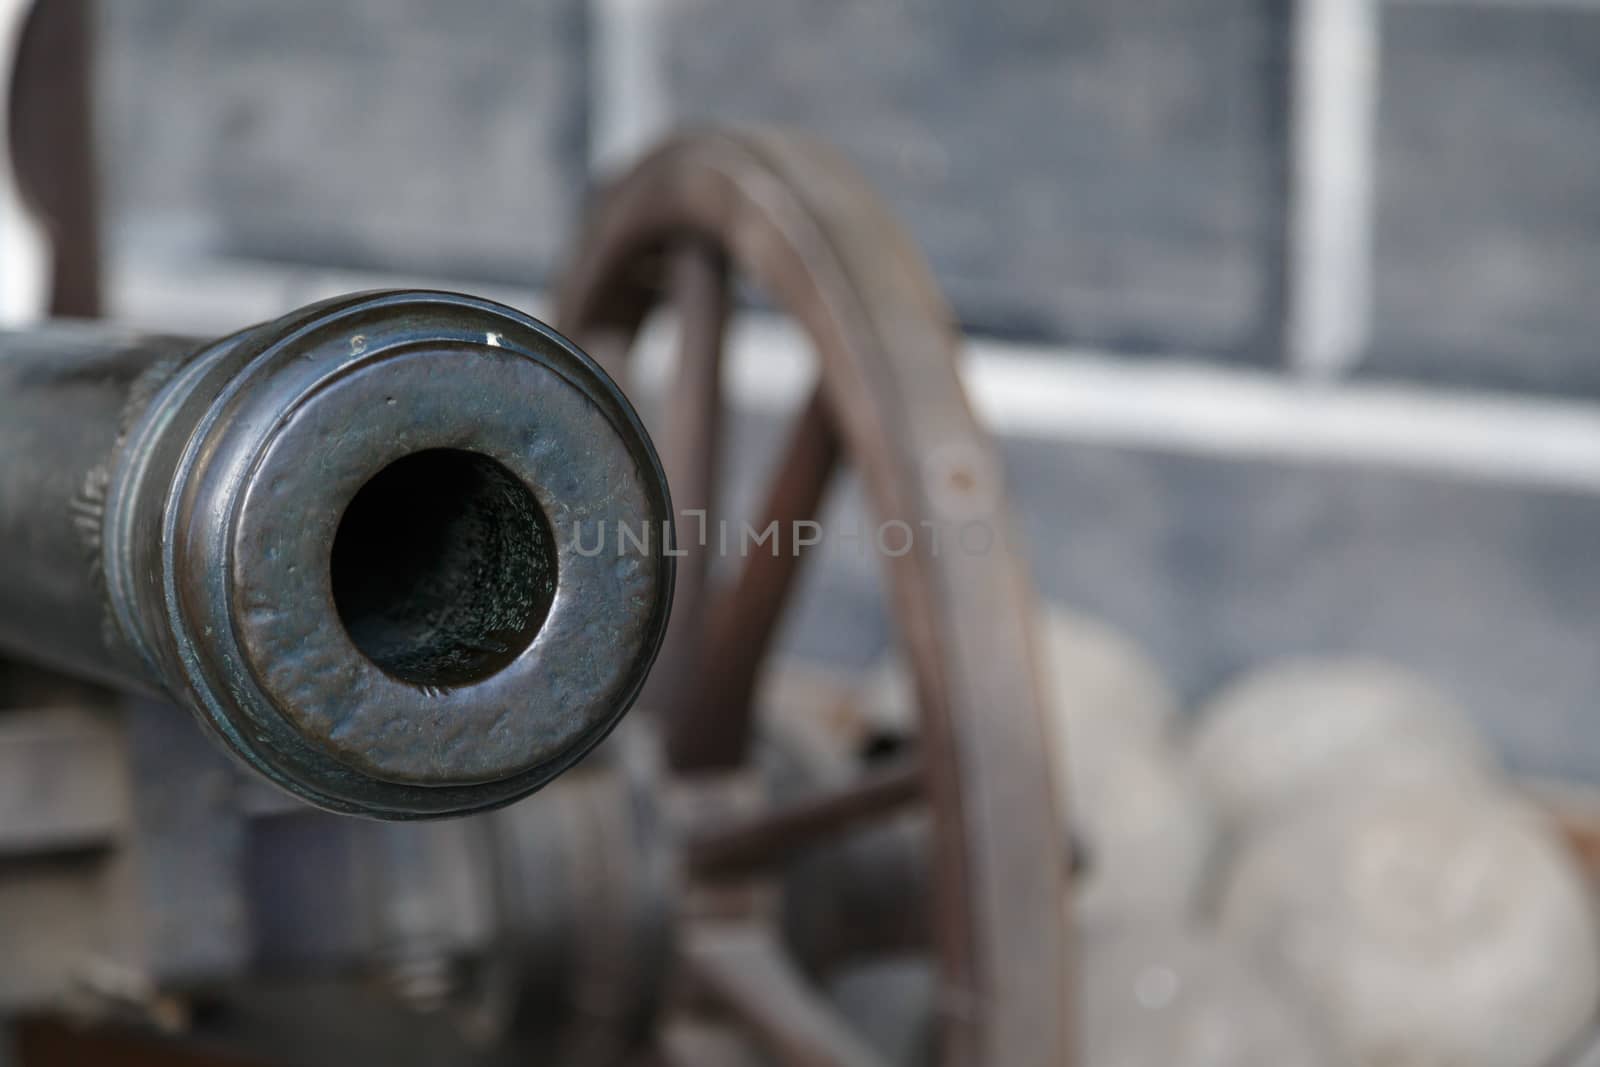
x,y
1283,310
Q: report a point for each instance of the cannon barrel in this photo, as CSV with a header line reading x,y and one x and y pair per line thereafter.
x,y
348,540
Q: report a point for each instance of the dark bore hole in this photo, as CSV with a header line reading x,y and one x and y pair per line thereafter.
x,y
444,568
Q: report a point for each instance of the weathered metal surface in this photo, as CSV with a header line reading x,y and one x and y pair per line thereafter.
x,y
807,231
538,927
359,541
589,891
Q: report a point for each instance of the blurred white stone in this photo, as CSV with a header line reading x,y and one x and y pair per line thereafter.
x,y
1149,996
1589,1052
1281,736
1143,824
1130,798
1436,923
1100,677
1170,998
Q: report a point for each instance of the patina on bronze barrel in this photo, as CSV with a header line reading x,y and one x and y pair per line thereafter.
x,y
347,539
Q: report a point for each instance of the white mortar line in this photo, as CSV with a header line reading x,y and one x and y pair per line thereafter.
x,y
1333,142
1037,391
628,90
1186,406
1206,409
1510,5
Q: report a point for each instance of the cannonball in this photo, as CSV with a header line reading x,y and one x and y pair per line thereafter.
x,y
1142,825
1588,1052
1099,677
1156,997
1284,734
1430,923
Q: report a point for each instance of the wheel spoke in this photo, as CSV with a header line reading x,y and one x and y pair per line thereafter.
x,y
757,842
692,443
710,723
742,966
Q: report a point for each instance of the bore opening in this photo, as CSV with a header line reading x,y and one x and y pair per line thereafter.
x,y
443,568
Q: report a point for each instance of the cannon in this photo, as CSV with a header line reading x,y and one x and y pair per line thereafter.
x,y
333,538
347,540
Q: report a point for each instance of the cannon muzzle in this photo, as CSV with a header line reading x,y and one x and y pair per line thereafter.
x,y
366,544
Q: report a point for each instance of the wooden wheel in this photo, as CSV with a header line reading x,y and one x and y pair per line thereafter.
x,y
795,220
